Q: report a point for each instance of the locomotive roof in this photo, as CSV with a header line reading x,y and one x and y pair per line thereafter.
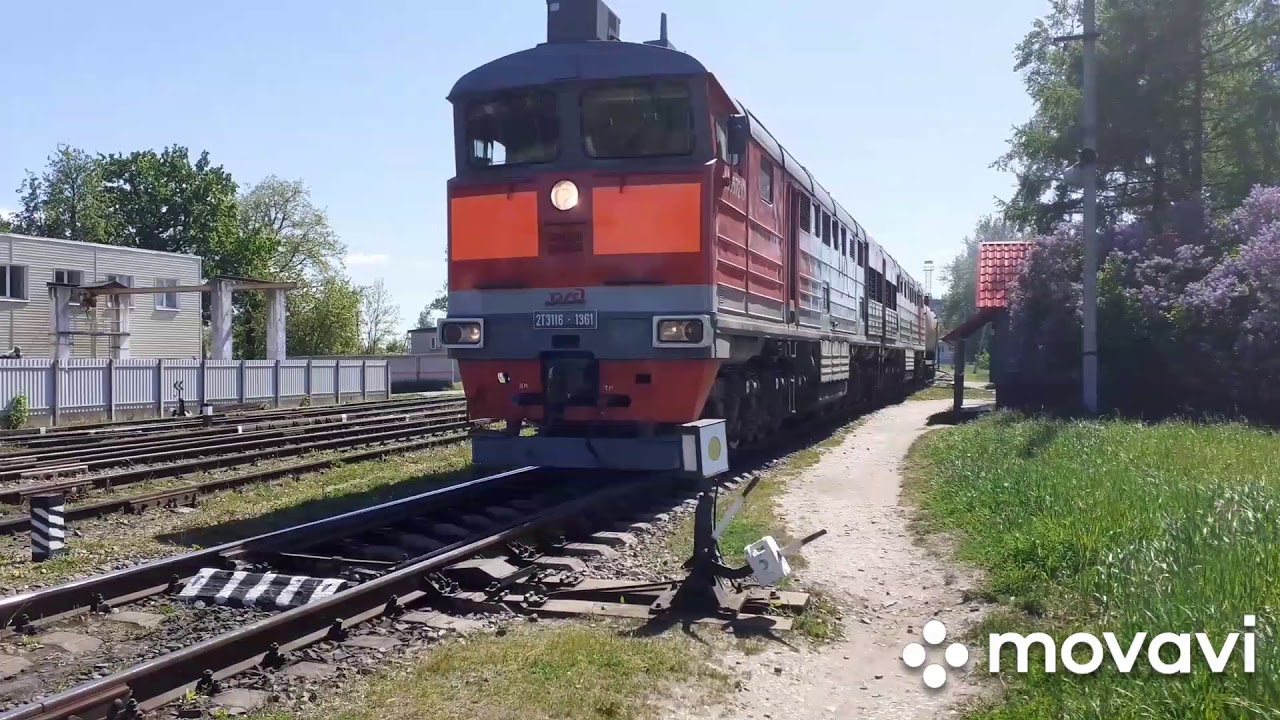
x,y
608,59
560,62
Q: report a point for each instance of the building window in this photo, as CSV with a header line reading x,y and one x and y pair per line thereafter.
x,y
844,241
766,179
826,229
13,282
166,300
69,277
125,280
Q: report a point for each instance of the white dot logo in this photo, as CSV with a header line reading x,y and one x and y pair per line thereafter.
x,y
914,655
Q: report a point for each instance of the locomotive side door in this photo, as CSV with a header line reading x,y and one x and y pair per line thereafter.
x,y
792,253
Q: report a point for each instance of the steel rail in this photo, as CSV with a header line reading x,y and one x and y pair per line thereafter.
x,y
48,604
32,438
110,426
188,494
166,678
336,439
58,447
107,427
132,453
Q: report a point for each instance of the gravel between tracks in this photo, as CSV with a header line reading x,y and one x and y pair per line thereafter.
x,y
887,584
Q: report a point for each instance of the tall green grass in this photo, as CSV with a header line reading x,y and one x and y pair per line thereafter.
x,y
1116,527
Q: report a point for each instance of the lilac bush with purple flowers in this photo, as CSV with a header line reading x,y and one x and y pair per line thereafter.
x,y
1189,317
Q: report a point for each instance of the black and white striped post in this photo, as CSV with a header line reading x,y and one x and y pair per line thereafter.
x,y
48,527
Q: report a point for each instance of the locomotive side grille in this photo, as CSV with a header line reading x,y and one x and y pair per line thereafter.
x,y
564,242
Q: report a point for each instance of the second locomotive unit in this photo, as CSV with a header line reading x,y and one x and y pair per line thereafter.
x,y
641,271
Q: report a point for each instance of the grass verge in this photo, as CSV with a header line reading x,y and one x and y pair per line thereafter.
x,y
576,671
1115,527
247,511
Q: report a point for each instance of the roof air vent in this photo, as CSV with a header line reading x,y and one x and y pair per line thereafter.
x,y
571,21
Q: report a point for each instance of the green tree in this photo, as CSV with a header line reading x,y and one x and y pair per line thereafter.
x,y
961,275
289,239
65,201
397,346
6,224
163,201
324,318
379,317
1189,108
279,217
440,303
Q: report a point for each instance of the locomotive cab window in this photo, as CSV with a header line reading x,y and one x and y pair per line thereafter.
x,y
766,179
513,129
643,120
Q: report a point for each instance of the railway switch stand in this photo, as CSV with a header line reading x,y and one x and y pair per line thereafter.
x,y
711,590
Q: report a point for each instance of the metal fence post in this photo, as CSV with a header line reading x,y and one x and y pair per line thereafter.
x,y
337,381
275,384
364,389
306,381
111,389
160,387
240,378
55,397
200,384
386,377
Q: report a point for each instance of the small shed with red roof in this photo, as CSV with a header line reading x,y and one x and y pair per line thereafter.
x,y
998,266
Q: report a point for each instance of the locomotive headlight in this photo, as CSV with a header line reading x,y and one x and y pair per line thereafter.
x,y
469,332
564,195
680,331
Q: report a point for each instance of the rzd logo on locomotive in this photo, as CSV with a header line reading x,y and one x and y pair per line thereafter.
x,y
576,296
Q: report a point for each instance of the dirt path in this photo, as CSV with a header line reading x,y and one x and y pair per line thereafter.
x,y
889,586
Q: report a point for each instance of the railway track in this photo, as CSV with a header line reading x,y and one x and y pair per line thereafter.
x,y
21,442
496,541
357,439
508,542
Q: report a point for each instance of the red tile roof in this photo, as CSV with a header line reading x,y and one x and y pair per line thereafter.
x,y
998,266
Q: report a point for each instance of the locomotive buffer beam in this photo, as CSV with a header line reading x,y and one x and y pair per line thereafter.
x,y
711,592
698,449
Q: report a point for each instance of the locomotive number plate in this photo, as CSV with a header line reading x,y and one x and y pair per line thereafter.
x,y
565,320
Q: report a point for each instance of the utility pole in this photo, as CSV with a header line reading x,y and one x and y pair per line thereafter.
x,y
1085,174
1088,167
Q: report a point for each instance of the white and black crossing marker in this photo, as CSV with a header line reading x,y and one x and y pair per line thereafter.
x,y
264,590
48,526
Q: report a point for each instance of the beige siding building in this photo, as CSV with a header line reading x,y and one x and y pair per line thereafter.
x,y
163,325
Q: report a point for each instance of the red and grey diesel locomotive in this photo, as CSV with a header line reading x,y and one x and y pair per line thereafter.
x,y
631,251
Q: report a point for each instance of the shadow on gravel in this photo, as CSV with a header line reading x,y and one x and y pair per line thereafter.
x,y
743,631
318,509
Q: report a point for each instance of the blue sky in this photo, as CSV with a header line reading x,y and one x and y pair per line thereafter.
x,y
898,108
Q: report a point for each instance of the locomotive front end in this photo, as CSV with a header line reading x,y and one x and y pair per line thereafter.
x,y
580,291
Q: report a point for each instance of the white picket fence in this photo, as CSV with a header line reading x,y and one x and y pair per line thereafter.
x,y
77,387
408,371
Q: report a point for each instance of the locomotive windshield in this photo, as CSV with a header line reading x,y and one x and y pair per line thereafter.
x,y
514,129
637,120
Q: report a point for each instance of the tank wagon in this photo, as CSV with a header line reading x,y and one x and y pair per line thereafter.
x,y
638,267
